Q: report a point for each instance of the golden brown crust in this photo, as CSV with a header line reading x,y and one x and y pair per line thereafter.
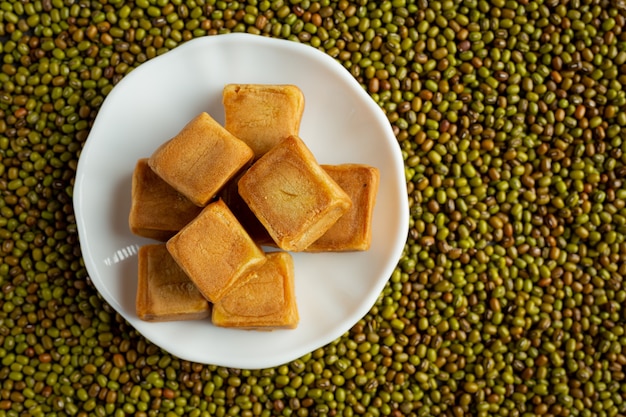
x,y
215,251
200,159
353,231
164,292
266,301
292,196
262,114
157,210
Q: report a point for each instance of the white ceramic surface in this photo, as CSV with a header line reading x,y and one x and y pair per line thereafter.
x,y
341,123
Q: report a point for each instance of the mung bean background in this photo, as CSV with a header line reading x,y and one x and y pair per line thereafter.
x,y
509,299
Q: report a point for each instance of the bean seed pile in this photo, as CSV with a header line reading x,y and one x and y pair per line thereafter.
x,y
509,298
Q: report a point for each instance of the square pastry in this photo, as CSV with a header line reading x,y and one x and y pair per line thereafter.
x,y
164,291
353,230
157,210
200,159
262,114
292,196
215,251
265,301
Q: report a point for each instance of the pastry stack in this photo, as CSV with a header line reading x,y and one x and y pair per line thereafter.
x,y
213,196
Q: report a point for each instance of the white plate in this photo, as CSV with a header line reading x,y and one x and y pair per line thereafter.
x,y
341,123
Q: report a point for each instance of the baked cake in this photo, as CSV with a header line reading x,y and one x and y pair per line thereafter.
x,y
215,251
292,196
265,301
200,159
164,291
262,114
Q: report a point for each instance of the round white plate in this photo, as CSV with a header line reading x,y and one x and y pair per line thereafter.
x,y
341,124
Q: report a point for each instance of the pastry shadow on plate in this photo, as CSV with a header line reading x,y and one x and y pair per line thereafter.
x,y
119,206
123,258
127,274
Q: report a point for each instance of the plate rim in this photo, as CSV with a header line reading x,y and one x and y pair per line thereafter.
x,y
348,79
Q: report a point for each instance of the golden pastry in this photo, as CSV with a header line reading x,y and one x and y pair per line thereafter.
x,y
353,230
292,196
164,292
265,301
215,251
200,159
262,114
157,210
